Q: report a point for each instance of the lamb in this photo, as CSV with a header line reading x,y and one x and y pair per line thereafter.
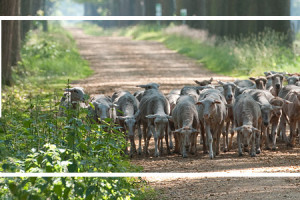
x,y
260,82
228,92
290,111
247,118
71,99
154,115
185,117
128,107
212,114
103,109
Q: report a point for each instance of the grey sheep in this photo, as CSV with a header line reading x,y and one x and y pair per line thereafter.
x,y
127,110
103,109
260,82
154,116
185,117
212,115
228,92
290,112
247,118
71,99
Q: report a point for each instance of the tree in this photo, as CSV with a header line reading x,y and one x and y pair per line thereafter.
x,y
10,29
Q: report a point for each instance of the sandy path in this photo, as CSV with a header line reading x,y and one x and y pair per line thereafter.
x,y
122,63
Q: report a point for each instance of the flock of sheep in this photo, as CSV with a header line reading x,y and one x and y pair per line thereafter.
x,y
257,109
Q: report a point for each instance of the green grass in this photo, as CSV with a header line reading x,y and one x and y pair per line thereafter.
x,y
34,138
247,56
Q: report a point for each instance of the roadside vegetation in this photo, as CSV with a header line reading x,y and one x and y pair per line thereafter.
x,y
243,57
34,138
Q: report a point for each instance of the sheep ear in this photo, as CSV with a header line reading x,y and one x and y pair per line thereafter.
x,y
113,105
221,82
252,78
217,102
197,82
169,117
199,103
150,116
121,117
141,86
255,129
69,89
195,130
211,79
178,130
287,102
237,128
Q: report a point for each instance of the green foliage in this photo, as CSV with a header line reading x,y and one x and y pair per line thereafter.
x,y
35,138
245,56
48,56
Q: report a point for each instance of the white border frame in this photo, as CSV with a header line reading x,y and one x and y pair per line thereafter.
x,y
156,175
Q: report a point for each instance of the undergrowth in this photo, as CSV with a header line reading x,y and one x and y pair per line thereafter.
x,y
246,56
34,138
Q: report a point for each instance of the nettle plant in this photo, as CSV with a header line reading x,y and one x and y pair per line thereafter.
x,y
34,138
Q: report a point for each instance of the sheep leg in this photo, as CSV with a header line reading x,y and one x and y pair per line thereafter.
x,y
266,138
231,135
258,143
239,143
170,132
167,140
140,139
253,154
225,137
273,133
156,153
292,133
202,131
210,141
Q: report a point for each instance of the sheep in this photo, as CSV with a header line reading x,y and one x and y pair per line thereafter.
x,y
185,117
228,92
127,111
290,111
245,84
103,109
212,114
292,80
247,118
204,82
260,82
154,115
194,91
277,101
172,98
263,97
149,86
71,99
276,83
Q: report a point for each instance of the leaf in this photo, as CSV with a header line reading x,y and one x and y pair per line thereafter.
x,y
66,193
58,190
73,167
89,191
13,188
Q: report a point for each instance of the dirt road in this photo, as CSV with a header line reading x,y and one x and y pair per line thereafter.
x,y
122,63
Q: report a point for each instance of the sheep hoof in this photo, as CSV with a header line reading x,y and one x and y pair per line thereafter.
x,y
240,154
258,151
253,154
273,148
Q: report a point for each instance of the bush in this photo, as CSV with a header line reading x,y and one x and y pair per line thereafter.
x,y
34,138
